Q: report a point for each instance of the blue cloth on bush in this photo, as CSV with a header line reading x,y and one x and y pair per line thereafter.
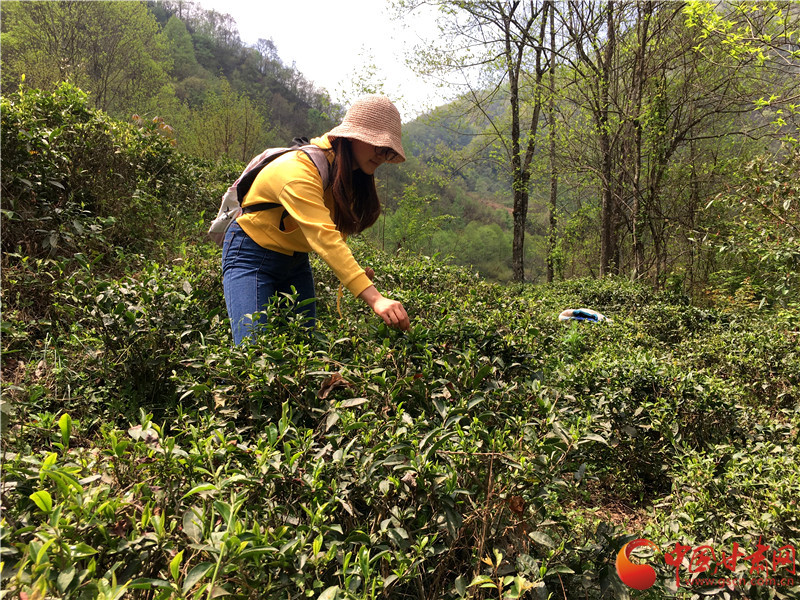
x,y
582,314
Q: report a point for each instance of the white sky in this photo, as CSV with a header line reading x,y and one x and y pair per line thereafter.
x,y
358,32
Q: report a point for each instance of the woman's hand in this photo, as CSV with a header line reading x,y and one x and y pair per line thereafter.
x,y
370,272
391,311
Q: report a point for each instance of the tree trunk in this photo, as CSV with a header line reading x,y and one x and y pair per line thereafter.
x,y
552,234
520,187
608,206
638,87
518,183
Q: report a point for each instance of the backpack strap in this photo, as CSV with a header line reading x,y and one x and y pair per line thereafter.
x,y
320,160
266,206
317,156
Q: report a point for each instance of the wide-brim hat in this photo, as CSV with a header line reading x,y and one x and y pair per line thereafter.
x,y
375,120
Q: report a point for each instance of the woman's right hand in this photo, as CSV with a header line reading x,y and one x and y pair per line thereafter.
x,y
391,311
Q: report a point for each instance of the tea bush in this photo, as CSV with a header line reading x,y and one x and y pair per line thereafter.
x,y
148,456
75,180
489,452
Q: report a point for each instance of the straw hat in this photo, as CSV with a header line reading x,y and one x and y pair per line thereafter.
x,y
375,120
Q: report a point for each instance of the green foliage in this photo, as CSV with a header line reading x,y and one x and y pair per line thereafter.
x,y
480,247
747,29
224,125
484,450
164,59
224,99
75,180
490,451
184,62
411,226
761,244
113,50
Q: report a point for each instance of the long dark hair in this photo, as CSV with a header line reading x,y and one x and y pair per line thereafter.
x,y
356,203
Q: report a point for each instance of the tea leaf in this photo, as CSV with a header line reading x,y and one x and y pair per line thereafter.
x,y
65,424
331,593
541,538
196,575
43,500
198,489
353,402
175,566
483,581
192,524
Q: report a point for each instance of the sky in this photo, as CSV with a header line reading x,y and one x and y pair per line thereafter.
x,y
360,32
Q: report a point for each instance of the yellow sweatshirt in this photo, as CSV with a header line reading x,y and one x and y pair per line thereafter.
x,y
293,181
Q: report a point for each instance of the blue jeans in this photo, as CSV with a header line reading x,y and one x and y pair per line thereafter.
x,y
252,276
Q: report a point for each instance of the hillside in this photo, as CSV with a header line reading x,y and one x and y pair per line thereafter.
x,y
489,452
170,60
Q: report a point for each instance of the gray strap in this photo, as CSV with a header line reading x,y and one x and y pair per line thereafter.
x,y
320,160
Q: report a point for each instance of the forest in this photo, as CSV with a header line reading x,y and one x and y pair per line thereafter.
x,y
624,127
639,158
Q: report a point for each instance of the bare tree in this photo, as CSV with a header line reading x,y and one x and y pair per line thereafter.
x,y
662,113
499,51
552,238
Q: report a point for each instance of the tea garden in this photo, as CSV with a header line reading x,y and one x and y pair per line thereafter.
x,y
489,452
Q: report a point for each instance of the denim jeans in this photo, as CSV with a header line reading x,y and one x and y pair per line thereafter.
x,y
252,276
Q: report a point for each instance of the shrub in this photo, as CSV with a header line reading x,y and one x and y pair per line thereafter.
x,y
760,246
75,180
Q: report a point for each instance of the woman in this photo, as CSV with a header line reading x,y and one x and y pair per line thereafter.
x,y
266,252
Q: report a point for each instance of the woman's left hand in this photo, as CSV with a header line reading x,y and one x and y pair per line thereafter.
x,y
391,311
370,273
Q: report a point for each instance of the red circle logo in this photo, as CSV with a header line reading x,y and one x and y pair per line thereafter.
x,y
639,577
